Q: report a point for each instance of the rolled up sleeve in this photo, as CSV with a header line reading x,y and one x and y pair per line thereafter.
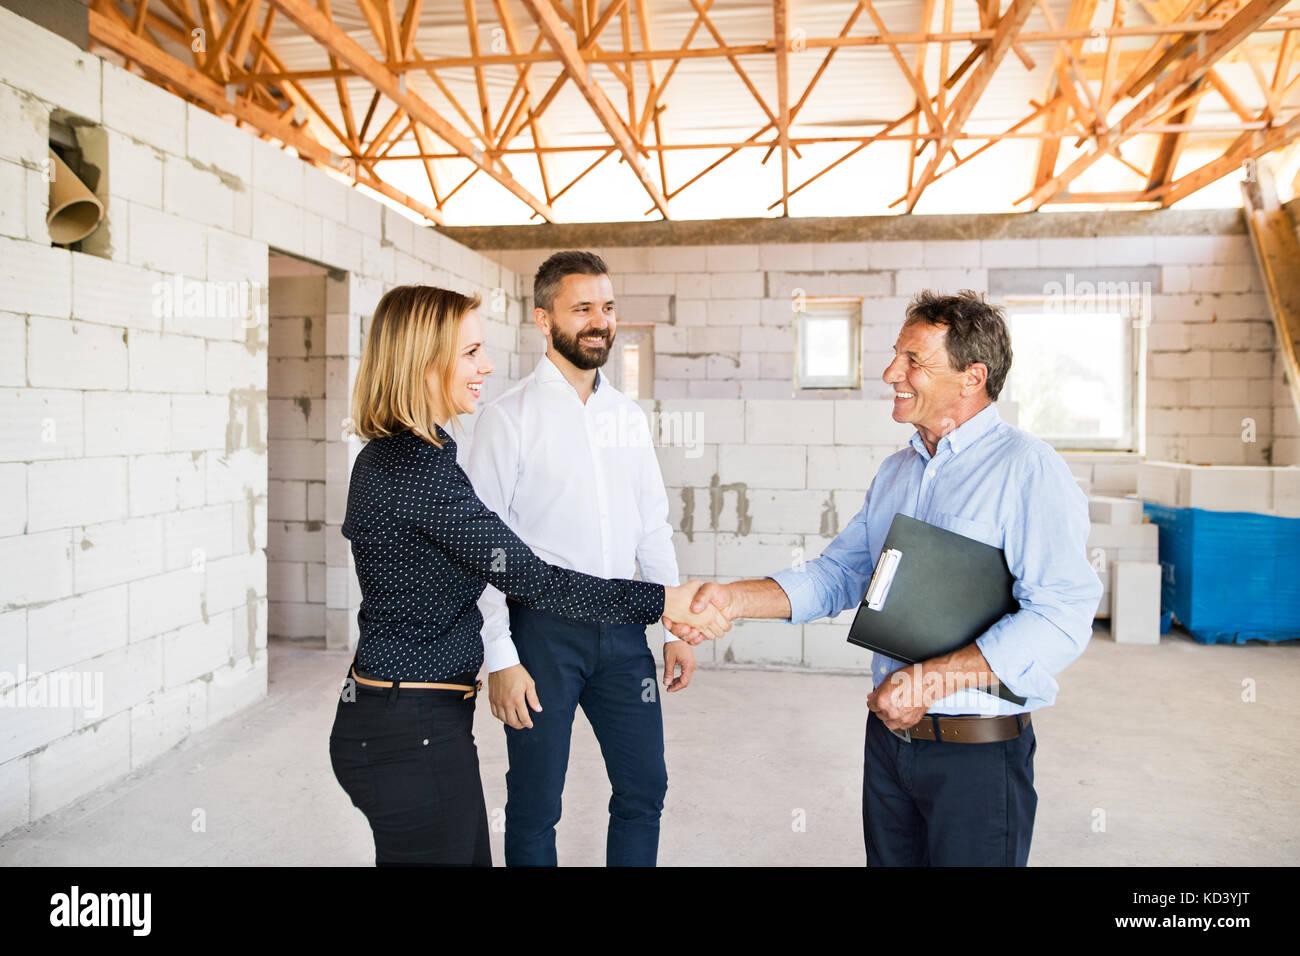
x,y
1045,544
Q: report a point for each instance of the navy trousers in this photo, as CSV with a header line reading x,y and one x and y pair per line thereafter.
x,y
930,803
610,672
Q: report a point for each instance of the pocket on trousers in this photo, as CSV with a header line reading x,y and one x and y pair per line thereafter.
x,y
381,757
351,772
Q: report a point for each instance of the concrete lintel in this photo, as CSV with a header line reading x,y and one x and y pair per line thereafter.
x,y
1041,225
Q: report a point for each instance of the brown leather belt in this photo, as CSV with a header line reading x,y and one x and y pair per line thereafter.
x,y
966,730
419,685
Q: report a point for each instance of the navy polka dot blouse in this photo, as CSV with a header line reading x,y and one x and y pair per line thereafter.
x,y
424,546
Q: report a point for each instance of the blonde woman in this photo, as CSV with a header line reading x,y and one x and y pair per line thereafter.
x,y
402,745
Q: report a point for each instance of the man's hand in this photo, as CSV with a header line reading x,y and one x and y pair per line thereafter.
x,y
678,654
899,701
511,692
709,593
906,695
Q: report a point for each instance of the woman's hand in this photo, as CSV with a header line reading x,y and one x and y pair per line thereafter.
x,y
710,622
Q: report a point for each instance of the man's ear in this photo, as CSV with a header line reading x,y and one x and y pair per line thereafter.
x,y
542,319
974,377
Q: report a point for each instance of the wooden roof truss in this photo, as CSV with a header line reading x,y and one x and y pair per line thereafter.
x,y
1102,89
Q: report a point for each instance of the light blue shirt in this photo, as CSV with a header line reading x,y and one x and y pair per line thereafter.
x,y
997,484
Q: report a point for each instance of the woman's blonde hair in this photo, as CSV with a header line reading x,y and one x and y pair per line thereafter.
x,y
414,328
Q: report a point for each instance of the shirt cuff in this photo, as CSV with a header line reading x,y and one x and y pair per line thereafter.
x,y
801,589
1017,670
669,636
500,654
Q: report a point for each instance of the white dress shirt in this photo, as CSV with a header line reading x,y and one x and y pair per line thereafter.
x,y
577,481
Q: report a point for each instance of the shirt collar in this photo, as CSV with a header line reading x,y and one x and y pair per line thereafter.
x,y
547,371
965,434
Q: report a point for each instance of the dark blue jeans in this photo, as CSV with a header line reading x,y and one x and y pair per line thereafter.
x,y
931,803
609,670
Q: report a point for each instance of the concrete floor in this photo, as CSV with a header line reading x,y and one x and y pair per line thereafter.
x,y
1156,737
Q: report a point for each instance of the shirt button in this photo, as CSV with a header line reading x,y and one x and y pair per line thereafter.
x,y
426,741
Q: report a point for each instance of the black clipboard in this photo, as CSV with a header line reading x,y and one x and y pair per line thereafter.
x,y
932,592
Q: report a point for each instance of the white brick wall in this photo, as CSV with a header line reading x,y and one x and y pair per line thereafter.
x,y
1210,345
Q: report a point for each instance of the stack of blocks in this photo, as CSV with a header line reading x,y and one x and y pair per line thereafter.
x,y
1258,490
1121,547
1125,553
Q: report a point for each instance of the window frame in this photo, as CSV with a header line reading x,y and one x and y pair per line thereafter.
x,y
855,345
1137,310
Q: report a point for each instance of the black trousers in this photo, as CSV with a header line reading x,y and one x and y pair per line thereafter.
x,y
407,759
931,803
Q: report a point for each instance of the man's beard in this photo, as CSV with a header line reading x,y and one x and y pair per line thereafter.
x,y
582,356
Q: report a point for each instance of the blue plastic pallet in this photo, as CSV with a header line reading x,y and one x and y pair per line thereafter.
x,y
1229,577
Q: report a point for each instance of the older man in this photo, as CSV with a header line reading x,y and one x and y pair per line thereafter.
x,y
948,774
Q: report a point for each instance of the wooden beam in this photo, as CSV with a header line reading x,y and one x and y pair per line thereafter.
x,y
781,37
1179,47
649,106
529,94
988,11
964,102
612,10
914,81
1107,93
560,41
430,173
992,141
1249,145
480,84
239,49
410,23
643,30
201,87
1216,46
212,95
1229,95
342,93
1273,237
1081,14
735,63
918,65
914,111
1171,145
978,38
312,22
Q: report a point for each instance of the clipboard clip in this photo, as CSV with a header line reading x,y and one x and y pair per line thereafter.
x,y
882,579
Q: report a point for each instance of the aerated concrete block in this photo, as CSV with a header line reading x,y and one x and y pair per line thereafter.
x,y
1135,602
1103,509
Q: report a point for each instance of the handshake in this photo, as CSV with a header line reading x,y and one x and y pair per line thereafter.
x,y
698,612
